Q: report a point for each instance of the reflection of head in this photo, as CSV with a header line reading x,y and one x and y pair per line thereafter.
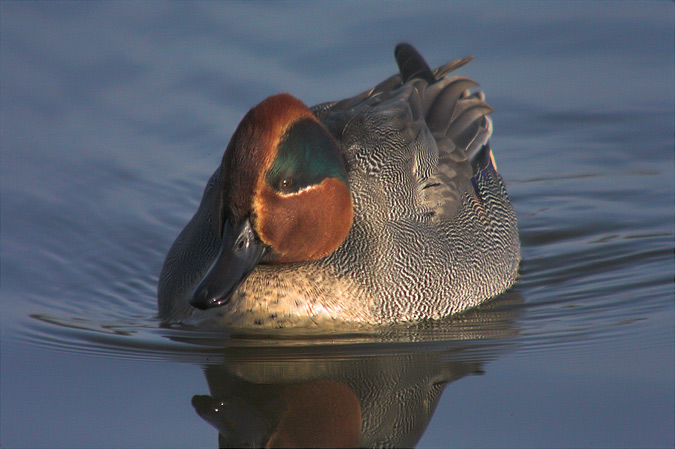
x,y
319,413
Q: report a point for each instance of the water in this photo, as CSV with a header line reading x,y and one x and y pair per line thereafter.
x,y
114,115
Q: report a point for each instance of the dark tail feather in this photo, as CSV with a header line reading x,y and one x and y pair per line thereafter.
x,y
412,65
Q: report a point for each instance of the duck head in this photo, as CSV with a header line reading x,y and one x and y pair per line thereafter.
x,y
284,196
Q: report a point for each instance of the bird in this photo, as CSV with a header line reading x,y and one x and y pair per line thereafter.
x,y
383,208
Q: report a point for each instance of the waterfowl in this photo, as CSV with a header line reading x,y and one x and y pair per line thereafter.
x,y
382,208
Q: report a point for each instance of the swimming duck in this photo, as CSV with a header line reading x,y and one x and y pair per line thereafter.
x,y
382,208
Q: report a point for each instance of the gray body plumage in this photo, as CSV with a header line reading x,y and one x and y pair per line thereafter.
x,y
434,232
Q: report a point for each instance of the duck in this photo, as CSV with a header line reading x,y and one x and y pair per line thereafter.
x,y
383,208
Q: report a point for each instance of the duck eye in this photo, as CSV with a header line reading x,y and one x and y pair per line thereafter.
x,y
286,184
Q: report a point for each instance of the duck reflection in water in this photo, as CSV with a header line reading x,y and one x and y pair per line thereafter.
x,y
364,395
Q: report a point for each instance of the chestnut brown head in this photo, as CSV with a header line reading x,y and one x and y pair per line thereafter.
x,y
285,195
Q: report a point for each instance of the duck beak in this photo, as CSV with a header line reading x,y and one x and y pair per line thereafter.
x,y
240,251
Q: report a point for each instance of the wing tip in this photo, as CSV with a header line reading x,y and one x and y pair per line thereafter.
x,y
411,64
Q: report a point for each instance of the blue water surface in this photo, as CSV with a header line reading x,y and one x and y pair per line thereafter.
x,y
114,114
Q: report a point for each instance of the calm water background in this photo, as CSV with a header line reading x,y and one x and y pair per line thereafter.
x,y
114,115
